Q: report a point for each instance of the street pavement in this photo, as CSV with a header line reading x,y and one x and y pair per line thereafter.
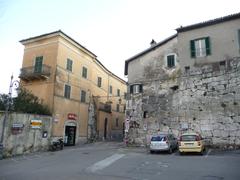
x,y
113,161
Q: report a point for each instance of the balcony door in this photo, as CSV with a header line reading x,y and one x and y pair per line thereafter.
x,y
38,64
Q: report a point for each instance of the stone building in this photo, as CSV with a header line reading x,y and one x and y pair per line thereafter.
x,y
200,93
85,98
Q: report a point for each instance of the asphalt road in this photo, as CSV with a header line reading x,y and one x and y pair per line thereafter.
x,y
112,161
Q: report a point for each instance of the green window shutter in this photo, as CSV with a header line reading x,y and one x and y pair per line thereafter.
x,y
131,89
99,82
84,72
193,50
69,64
83,96
170,61
67,91
140,88
118,92
118,108
38,64
208,48
110,89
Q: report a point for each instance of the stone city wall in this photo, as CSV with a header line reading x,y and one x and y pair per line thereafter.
x,y
205,100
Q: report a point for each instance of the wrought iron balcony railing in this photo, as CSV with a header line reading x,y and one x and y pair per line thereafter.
x,y
105,107
35,73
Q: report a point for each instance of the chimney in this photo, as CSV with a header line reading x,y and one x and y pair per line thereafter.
x,y
153,43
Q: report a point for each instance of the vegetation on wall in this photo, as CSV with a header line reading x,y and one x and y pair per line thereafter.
x,y
25,102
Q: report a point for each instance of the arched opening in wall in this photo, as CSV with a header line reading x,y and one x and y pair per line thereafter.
x,y
70,134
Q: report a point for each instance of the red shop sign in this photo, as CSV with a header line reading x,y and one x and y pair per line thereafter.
x,y
72,116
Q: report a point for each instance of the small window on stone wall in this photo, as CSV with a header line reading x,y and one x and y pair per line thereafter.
x,y
222,63
136,88
187,69
174,88
145,114
171,60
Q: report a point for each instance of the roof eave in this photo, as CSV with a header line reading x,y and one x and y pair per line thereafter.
x,y
209,23
146,51
55,33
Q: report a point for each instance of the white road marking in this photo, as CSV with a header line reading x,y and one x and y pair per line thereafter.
x,y
209,151
104,163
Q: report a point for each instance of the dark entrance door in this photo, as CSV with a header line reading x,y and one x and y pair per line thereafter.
x,y
105,128
70,135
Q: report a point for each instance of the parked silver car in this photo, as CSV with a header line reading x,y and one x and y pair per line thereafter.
x,y
163,142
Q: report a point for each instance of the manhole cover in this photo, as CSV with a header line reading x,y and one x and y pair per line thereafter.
x,y
212,178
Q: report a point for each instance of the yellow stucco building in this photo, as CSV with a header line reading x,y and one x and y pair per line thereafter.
x,y
87,101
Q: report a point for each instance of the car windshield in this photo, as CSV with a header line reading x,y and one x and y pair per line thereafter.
x,y
158,138
188,138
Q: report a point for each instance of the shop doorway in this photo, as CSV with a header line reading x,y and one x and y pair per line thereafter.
x,y
105,128
70,135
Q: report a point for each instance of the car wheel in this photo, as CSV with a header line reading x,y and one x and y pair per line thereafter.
x,y
151,151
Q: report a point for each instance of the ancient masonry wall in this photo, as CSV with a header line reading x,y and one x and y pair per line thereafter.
x,y
204,100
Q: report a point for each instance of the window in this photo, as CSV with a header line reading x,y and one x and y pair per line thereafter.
x,y
69,64
110,89
118,92
99,83
125,95
171,61
67,91
136,88
84,72
117,122
83,96
145,114
187,69
38,64
200,47
118,108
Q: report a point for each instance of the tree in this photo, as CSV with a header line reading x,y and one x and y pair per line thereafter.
x,y
25,102
3,101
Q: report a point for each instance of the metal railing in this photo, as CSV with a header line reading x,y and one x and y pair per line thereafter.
x,y
105,107
30,73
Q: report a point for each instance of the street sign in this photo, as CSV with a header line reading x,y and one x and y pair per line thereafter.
x,y
36,124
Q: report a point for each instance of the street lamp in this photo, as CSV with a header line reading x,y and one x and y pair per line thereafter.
x,y
13,84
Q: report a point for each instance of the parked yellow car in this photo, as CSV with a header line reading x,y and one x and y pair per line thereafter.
x,y
191,142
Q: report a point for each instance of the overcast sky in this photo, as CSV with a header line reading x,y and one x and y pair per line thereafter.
x,y
114,30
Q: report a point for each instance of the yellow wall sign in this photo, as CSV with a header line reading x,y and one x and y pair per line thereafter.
x,y
36,124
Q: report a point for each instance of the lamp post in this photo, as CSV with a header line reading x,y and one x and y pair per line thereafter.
x,y
13,84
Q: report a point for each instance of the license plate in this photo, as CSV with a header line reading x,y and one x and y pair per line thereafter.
x,y
188,144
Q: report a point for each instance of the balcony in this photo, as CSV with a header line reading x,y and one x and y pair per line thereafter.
x,y
33,73
105,107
